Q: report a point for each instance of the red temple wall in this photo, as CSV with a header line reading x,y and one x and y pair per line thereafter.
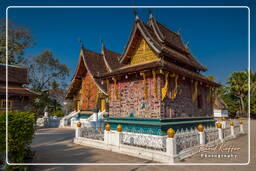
x,y
131,99
182,105
88,93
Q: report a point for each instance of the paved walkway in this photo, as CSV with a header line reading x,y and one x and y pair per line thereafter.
x,y
55,146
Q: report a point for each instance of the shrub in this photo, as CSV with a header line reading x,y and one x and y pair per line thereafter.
x,y
58,113
21,129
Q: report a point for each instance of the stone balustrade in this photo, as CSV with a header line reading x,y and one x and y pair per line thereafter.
x,y
179,145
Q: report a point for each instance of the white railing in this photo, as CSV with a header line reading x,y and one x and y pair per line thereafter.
x,y
186,139
66,120
184,144
155,142
91,133
211,135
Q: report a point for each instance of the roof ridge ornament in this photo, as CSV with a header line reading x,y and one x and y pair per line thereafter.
x,y
150,13
136,14
187,45
178,31
81,43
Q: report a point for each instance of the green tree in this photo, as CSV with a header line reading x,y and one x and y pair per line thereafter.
x,y
238,85
46,76
46,70
252,95
19,38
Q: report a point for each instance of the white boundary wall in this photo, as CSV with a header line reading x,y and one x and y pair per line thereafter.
x,y
113,142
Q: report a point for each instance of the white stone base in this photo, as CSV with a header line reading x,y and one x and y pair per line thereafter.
x,y
148,154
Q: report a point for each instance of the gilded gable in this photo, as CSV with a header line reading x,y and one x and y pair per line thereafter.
x,y
143,53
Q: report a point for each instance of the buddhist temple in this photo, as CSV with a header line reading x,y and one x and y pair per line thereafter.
x,y
86,90
156,82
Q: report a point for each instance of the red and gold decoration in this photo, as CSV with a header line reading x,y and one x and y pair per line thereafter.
x,y
175,90
195,92
209,94
109,90
170,133
155,83
165,88
145,84
143,53
115,88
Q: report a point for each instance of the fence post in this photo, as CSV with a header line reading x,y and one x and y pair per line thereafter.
x,y
200,129
171,148
78,129
241,127
223,122
106,134
220,131
118,135
232,129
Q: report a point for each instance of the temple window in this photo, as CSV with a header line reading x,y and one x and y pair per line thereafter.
x,y
4,104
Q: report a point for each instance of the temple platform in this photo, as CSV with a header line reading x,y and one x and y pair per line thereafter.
x,y
157,126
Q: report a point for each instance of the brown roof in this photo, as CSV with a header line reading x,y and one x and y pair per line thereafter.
x,y
111,59
19,91
16,74
95,63
166,42
161,64
174,41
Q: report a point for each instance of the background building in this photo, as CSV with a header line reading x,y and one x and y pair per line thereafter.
x,y
19,97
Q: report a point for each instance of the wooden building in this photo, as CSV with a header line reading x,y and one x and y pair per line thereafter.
x,y
159,77
156,79
19,97
85,90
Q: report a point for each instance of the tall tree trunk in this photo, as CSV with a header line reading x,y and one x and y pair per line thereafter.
x,y
242,105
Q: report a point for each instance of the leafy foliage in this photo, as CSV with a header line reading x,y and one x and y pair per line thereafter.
x,y
235,94
19,39
20,134
46,76
46,69
59,113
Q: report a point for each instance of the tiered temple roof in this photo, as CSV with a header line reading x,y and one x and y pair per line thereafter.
x,y
96,64
173,54
168,45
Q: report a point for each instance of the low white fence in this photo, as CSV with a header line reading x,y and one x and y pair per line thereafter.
x,y
154,142
48,122
156,147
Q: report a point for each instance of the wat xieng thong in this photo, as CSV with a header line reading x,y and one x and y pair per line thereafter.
x,y
156,83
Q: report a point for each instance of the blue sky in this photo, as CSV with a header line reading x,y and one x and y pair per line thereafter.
x,y
218,37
